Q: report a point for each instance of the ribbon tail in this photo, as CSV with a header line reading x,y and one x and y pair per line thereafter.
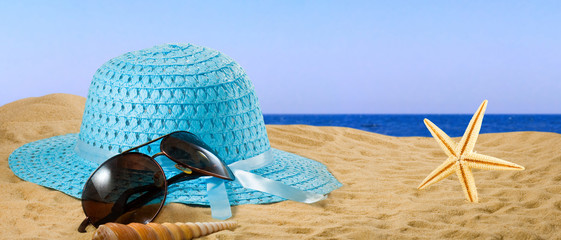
x,y
256,182
218,199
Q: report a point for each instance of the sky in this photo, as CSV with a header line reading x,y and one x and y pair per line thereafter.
x,y
307,56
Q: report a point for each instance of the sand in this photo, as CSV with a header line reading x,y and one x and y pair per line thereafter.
x,y
379,198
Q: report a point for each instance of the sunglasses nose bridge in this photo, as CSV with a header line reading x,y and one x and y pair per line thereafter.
x,y
158,154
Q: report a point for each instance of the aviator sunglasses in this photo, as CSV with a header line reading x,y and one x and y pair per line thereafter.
x,y
132,187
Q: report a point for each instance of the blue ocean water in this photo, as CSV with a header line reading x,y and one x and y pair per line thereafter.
x,y
401,125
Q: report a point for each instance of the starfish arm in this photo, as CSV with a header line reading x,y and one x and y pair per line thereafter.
x,y
480,161
468,184
467,143
441,172
442,138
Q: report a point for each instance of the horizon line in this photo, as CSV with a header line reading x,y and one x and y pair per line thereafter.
x,y
409,113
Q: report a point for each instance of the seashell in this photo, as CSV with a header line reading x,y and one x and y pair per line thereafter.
x,y
164,231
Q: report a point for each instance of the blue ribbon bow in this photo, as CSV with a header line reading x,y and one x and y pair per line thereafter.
x,y
218,196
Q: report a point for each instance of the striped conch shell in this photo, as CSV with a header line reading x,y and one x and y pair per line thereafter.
x,y
156,231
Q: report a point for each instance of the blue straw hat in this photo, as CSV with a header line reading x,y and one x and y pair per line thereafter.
x,y
148,93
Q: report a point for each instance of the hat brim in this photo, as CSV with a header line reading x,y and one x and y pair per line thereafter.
x,y
53,163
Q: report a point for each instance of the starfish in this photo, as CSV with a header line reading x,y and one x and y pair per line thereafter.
x,y
461,157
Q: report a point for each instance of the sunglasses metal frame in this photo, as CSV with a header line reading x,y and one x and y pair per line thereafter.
x,y
183,176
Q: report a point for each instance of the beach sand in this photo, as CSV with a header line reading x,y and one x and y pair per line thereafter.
x,y
379,198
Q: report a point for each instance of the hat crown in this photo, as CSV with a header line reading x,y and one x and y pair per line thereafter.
x,y
145,94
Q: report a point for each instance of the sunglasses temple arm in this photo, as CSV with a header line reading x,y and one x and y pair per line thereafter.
x,y
83,225
146,143
150,194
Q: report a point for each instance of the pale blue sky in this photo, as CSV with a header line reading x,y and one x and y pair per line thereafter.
x,y
307,56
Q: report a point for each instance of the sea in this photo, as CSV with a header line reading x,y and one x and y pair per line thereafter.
x,y
408,125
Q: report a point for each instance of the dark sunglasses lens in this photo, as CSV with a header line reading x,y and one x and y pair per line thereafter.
x,y
129,187
185,148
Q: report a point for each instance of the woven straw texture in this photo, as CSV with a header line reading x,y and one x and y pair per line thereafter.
x,y
145,94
